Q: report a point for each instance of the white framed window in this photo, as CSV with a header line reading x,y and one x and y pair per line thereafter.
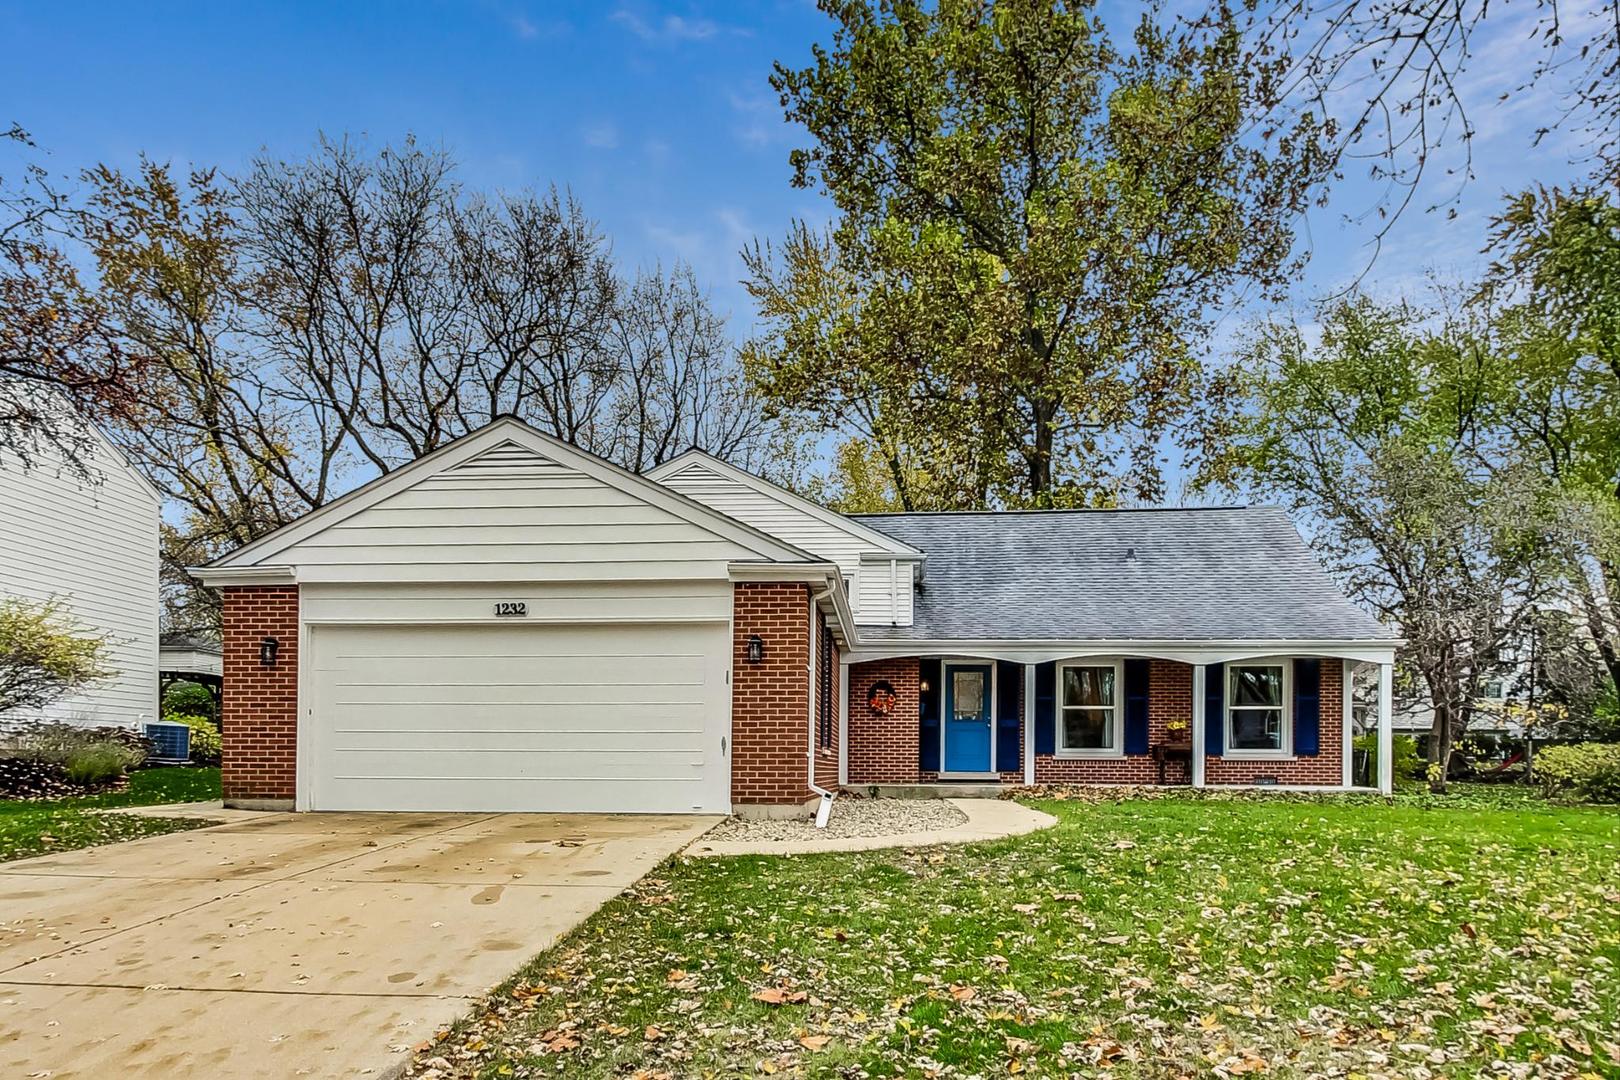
x,y
1090,709
1259,708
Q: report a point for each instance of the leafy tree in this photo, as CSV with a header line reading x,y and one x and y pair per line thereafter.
x,y
1553,392
44,656
1032,228
1369,436
58,362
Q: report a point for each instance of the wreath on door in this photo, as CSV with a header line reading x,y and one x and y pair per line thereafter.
x,y
881,698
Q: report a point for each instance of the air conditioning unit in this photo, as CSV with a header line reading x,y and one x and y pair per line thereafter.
x,y
171,742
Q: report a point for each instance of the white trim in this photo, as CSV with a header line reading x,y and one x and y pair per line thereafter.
x,y
945,665
1200,676
1347,730
243,575
1186,652
1029,725
1285,736
1117,708
1386,728
695,457
304,738
509,429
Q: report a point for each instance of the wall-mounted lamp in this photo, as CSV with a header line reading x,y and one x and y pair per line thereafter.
x,y
756,649
923,685
267,652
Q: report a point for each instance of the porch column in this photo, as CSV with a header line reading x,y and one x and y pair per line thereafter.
x,y
1347,712
843,720
1029,725
1386,727
1198,721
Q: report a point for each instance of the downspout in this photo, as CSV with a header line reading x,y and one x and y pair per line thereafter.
x,y
824,809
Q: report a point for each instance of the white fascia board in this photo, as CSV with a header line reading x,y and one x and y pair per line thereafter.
x,y
510,429
1187,652
217,576
882,541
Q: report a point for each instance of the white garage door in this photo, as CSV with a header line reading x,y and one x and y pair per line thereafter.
x,y
520,717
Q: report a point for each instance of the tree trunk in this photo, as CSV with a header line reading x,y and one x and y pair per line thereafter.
x,y
1440,748
1039,456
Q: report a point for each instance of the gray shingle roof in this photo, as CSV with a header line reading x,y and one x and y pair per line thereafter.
x,y
1230,573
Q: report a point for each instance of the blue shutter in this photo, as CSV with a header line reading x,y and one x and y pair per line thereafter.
x,y
1009,718
1307,707
1214,710
1136,705
1046,707
928,709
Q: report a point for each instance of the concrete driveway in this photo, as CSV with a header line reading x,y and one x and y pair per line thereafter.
x,y
292,944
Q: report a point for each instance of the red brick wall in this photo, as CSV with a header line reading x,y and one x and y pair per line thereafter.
x,y
1327,767
883,750
827,757
259,708
1169,696
770,703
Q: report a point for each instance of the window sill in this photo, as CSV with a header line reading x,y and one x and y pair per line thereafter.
x,y
1258,755
1090,755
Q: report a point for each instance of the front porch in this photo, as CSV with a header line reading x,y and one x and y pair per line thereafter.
x,y
1267,716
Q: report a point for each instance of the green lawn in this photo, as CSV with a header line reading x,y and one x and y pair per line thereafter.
x,y
1148,938
38,828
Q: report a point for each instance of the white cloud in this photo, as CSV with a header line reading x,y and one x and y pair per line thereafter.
x,y
604,136
671,29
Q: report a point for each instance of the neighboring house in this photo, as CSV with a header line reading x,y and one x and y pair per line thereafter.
x,y
193,659
95,546
513,624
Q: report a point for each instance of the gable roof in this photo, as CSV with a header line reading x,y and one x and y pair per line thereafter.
x,y
1227,574
695,459
501,432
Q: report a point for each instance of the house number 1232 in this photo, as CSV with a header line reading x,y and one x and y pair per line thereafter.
x,y
511,607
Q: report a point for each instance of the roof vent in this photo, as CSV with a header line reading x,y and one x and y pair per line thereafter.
x,y
1130,556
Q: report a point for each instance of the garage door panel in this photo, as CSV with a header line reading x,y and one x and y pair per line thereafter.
x,y
472,698
520,717
503,740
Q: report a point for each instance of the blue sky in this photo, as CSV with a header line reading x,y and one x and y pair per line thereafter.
x,y
658,116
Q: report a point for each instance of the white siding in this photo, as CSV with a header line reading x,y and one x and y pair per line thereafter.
x,y
868,582
96,547
565,602
511,514
879,604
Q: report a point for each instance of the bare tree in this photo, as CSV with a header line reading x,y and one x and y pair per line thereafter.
x,y
57,360
1399,78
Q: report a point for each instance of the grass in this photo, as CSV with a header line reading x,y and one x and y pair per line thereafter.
x,y
1150,937
39,828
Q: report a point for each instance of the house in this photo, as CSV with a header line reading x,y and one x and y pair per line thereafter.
x,y
94,545
511,623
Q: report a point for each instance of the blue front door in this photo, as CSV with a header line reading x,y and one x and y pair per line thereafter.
x,y
967,718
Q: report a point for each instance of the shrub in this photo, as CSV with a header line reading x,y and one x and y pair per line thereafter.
x,y
205,742
1408,765
44,655
1589,771
185,699
54,742
97,764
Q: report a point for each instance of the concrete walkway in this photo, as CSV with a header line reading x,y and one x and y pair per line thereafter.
x,y
292,944
987,819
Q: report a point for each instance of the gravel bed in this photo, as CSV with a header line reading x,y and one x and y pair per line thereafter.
x,y
850,817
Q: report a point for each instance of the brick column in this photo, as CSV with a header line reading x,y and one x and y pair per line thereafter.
x,y
770,701
259,707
